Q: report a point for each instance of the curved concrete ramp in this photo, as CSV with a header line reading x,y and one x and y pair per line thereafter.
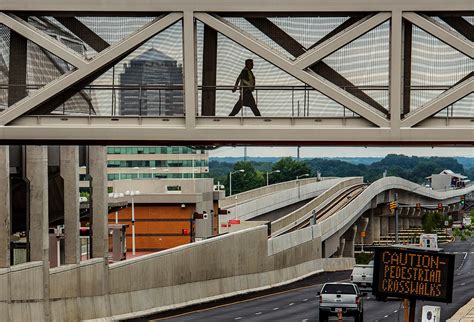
x,y
260,201
294,218
374,194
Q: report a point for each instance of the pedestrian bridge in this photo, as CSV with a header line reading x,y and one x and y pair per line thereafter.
x,y
327,72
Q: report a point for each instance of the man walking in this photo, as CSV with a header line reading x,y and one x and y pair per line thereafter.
x,y
247,86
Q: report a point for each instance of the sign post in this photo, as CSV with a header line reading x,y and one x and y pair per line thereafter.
x,y
413,274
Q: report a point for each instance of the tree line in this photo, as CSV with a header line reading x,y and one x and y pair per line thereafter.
x,y
415,169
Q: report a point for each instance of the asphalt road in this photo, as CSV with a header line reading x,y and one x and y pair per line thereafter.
x,y
301,304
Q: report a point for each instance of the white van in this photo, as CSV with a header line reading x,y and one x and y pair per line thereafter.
x,y
362,275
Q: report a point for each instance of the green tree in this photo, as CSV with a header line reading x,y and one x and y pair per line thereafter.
x,y
244,181
289,169
432,221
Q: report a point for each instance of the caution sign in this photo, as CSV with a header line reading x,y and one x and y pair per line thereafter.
x,y
411,273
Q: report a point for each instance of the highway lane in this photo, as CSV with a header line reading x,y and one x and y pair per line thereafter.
x,y
302,304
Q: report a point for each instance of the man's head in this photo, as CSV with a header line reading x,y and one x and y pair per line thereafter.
x,y
249,63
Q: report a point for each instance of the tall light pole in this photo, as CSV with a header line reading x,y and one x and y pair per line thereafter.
x,y
132,193
302,176
268,173
230,179
298,177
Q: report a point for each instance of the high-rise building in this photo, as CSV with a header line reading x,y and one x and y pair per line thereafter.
x,y
126,162
152,86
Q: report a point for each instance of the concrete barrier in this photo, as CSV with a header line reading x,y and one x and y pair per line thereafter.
x,y
220,267
262,191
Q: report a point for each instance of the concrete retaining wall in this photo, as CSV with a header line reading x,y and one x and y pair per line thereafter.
x,y
224,266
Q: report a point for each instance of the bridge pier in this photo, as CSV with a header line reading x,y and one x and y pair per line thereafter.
x,y
362,226
37,175
5,216
99,220
342,245
384,224
373,227
403,217
69,168
349,238
405,222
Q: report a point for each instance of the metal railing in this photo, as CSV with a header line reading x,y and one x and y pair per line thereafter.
x,y
154,100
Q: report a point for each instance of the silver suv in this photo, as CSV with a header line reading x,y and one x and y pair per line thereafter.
x,y
341,298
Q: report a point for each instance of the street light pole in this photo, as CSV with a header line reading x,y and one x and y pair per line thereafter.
x,y
268,173
298,177
132,194
133,224
230,180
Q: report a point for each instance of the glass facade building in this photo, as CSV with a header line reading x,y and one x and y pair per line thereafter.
x,y
173,162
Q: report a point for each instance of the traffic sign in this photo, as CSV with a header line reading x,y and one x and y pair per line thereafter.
x,y
414,274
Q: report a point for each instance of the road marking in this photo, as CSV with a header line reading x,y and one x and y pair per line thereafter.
x,y
277,308
247,300
291,304
305,320
258,313
395,311
462,284
305,300
462,263
386,316
238,318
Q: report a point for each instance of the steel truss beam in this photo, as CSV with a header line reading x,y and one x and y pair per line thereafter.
x,y
231,131
448,97
283,6
340,40
104,58
297,50
447,36
372,128
41,39
312,79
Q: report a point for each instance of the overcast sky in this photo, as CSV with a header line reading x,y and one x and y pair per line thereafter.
x,y
341,151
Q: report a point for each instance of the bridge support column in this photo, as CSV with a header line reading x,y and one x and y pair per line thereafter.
x,y
37,175
414,217
5,218
362,226
98,172
391,224
349,237
342,245
69,163
373,229
384,225
406,219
